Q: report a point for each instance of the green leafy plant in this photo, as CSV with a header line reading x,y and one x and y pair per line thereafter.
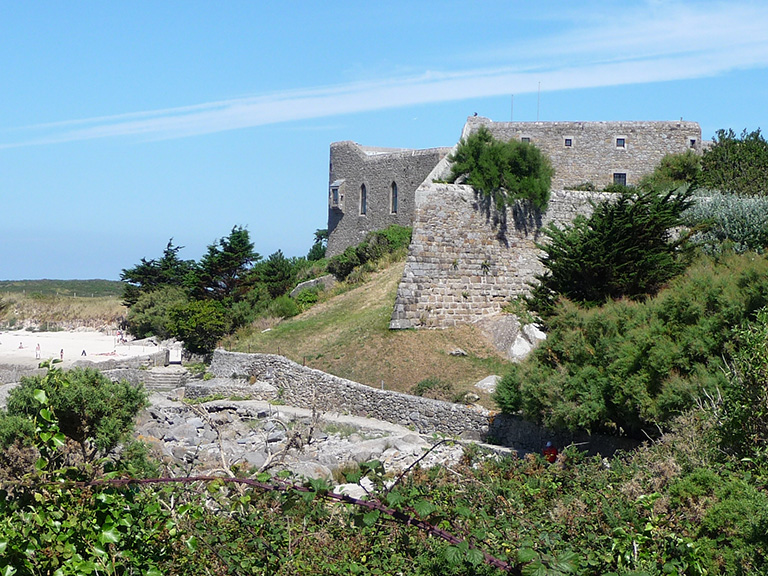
x,y
503,172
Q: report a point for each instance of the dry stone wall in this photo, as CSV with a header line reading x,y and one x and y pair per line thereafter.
x,y
304,387
465,261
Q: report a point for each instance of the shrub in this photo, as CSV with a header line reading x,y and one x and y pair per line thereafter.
x,y
727,222
673,171
736,164
374,247
283,307
200,324
92,410
434,388
624,249
633,366
150,314
503,172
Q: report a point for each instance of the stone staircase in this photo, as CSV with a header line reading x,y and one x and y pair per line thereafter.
x,y
165,378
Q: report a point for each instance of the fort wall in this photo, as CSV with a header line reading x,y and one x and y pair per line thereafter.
x,y
594,152
465,260
352,167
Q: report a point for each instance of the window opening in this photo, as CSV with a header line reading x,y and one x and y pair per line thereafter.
x,y
363,200
568,142
393,199
621,142
620,178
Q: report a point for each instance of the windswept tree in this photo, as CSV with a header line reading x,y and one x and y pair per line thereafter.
x,y
503,172
626,248
149,275
224,270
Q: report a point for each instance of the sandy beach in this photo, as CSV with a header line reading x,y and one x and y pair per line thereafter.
x,y
19,347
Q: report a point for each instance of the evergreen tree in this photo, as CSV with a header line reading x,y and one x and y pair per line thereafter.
x,y
736,164
624,249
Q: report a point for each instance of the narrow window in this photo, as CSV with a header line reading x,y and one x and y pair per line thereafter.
x,y
620,178
393,199
621,142
568,142
363,200
335,196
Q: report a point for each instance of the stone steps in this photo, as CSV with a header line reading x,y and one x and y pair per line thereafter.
x,y
165,378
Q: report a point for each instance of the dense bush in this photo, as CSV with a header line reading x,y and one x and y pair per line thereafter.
x,y
504,172
624,249
736,164
150,314
725,222
91,410
200,324
376,244
673,171
632,366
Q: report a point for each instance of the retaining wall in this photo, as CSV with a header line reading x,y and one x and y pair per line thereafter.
x,y
309,388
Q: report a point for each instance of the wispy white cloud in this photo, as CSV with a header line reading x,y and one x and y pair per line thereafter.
x,y
668,41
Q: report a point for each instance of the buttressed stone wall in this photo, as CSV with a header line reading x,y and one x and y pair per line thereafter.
x,y
594,152
361,186
466,261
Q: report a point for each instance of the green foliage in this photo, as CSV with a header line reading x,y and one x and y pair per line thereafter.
x,y
376,244
151,275
736,164
307,298
434,388
624,249
283,307
223,272
200,324
744,411
277,274
504,172
673,171
317,252
90,409
726,222
150,313
630,366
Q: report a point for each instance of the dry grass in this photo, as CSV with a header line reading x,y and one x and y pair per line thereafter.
x,y
60,312
348,335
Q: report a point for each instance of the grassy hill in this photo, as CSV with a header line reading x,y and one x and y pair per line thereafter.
x,y
82,288
348,335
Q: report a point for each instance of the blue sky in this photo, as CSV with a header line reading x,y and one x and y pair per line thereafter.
x,y
123,124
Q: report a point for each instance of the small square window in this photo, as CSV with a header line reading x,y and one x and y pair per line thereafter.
x,y
620,178
692,142
568,142
621,142
525,139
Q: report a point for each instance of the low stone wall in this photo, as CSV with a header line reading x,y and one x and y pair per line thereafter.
x,y
304,387
308,388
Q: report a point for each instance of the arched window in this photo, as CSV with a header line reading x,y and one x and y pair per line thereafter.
x,y
393,199
363,200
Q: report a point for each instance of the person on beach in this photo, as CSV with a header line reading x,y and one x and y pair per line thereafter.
x,y
37,351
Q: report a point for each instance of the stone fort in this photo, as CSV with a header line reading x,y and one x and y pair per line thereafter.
x,y
465,261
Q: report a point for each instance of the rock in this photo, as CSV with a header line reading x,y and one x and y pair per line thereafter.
x,y
254,458
311,470
488,384
457,352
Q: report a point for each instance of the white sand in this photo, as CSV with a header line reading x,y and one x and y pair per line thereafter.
x,y
17,347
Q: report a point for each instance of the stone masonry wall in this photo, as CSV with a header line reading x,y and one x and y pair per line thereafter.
x,y
464,263
377,169
593,154
308,388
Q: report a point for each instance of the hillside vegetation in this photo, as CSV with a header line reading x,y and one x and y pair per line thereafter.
x,y
348,335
